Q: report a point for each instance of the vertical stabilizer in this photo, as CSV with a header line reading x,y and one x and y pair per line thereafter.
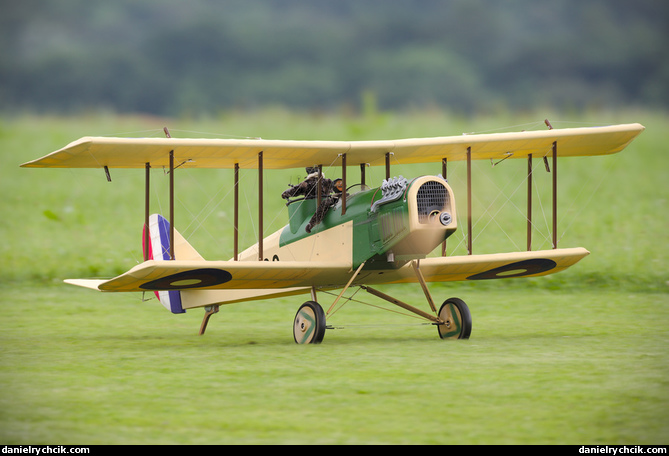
x,y
159,249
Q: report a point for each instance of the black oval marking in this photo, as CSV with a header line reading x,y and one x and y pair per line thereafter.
x,y
517,269
197,278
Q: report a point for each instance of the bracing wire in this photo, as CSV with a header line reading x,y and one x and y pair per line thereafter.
x,y
346,300
605,176
198,219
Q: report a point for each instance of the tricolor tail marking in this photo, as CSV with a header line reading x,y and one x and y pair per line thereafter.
x,y
159,241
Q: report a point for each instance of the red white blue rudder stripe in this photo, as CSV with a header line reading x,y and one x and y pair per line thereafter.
x,y
159,249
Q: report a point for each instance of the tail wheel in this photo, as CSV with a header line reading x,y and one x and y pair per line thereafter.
x,y
457,319
309,324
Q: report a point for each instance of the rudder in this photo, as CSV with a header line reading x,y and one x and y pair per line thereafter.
x,y
159,249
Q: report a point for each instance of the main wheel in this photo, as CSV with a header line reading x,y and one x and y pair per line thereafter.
x,y
309,324
457,319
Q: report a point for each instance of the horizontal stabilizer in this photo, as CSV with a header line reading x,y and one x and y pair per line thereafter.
x,y
93,284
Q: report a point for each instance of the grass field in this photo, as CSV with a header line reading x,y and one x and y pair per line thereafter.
x,y
575,358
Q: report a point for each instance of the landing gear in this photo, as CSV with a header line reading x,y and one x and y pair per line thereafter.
x,y
453,321
457,320
309,324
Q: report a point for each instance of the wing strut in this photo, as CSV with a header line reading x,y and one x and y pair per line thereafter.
x,y
444,174
555,241
529,202
172,204
469,200
343,184
260,205
147,194
235,234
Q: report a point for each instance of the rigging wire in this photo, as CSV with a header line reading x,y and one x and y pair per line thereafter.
x,y
546,235
199,219
220,135
153,133
608,171
350,299
510,127
503,205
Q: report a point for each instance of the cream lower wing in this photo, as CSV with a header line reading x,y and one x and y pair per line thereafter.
x,y
486,267
233,275
219,282
265,275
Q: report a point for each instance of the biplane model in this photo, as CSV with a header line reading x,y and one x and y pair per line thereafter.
x,y
338,235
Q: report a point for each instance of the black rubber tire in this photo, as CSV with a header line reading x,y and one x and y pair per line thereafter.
x,y
458,320
309,324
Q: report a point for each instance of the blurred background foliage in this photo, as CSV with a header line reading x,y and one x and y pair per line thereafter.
x,y
170,57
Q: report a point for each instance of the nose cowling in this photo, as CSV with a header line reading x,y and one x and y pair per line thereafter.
x,y
431,216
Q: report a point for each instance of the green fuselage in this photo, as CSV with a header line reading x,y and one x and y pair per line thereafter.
x,y
378,225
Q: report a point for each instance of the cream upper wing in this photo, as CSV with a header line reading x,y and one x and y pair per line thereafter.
x,y
99,152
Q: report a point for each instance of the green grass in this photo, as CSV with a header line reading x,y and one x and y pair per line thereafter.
x,y
575,358
551,368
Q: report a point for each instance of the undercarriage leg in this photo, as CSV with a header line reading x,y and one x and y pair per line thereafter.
x,y
421,279
403,305
355,274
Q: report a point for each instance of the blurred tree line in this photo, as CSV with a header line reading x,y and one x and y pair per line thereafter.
x,y
171,57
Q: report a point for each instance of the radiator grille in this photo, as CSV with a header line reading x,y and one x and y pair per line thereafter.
x,y
431,196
